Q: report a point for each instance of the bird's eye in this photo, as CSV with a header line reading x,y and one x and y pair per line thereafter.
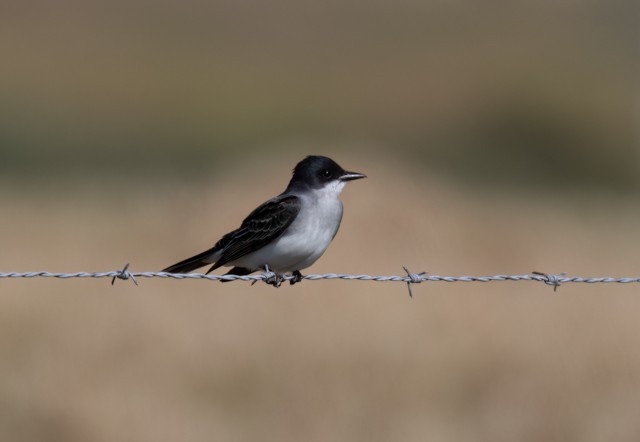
x,y
326,173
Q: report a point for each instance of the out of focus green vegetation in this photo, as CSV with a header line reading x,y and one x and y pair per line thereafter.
x,y
533,94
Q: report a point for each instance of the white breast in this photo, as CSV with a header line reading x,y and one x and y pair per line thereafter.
x,y
307,237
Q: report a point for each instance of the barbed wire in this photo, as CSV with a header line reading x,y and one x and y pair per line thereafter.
x,y
269,277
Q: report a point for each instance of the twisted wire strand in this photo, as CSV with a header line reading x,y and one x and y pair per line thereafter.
x,y
554,280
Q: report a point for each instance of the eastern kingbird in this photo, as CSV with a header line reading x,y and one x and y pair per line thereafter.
x,y
289,232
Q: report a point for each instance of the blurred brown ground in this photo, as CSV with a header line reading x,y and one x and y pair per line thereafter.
x,y
496,138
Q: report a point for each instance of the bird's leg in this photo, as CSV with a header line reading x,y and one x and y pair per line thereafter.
x,y
275,279
297,277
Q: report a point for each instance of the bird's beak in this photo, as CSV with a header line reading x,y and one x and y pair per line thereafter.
x,y
348,176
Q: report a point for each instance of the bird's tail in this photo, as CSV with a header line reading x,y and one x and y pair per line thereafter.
x,y
190,264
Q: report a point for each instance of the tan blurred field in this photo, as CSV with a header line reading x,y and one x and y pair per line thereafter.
x,y
82,360
497,137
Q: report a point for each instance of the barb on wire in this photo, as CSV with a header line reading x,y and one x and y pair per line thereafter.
x,y
275,279
124,274
551,279
414,278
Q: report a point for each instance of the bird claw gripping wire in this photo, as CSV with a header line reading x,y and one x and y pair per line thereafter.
x,y
551,279
272,278
124,274
414,278
297,277
276,279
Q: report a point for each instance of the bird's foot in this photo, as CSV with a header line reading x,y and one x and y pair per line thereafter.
x,y
297,277
273,278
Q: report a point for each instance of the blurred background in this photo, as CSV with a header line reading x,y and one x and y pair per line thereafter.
x,y
497,138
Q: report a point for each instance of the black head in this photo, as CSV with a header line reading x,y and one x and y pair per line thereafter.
x,y
317,171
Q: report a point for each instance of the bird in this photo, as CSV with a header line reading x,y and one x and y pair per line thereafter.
x,y
287,233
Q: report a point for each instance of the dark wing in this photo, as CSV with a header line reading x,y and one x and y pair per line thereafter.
x,y
262,226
